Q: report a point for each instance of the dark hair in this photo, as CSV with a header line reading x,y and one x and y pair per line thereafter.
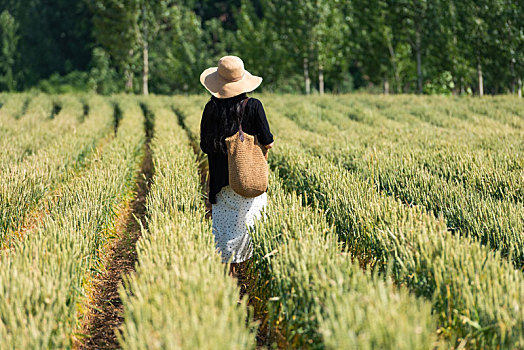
x,y
227,112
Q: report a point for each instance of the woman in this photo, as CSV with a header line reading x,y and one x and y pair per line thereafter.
x,y
231,213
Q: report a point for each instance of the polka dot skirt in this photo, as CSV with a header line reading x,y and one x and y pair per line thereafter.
x,y
232,215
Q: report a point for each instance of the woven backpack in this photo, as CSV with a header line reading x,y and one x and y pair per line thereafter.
x,y
247,162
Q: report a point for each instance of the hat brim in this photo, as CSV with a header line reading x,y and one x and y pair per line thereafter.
x,y
222,88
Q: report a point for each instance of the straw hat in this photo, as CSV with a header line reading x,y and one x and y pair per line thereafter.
x,y
229,78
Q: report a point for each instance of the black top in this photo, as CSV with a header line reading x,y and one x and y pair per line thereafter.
x,y
254,122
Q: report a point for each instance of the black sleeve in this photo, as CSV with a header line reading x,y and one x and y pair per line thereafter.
x,y
204,130
264,134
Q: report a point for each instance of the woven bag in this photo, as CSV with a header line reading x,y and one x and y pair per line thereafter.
x,y
247,162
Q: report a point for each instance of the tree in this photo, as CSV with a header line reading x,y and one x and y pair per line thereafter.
x,y
260,45
311,34
103,78
508,34
115,30
295,25
413,24
437,46
179,53
55,38
373,38
328,37
474,34
455,60
151,18
8,46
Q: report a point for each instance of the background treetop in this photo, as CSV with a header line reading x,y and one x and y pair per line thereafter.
x,y
400,46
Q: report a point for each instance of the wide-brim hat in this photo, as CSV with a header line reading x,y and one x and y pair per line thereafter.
x,y
229,78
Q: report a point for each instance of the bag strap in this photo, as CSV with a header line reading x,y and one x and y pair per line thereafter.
x,y
242,110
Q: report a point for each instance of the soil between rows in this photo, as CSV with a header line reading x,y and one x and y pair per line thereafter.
x,y
103,321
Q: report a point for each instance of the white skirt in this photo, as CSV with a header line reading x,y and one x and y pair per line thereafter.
x,y
232,215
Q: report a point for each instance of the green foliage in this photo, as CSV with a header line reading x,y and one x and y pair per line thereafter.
x,y
8,50
118,17
395,46
55,38
103,78
179,55
73,82
442,85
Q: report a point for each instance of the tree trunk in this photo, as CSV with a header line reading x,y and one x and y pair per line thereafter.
x,y
419,62
512,78
519,90
129,80
480,78
321,80
386,85
395,68
307,81
459,87
129,75
145,71
145,54
419,72
9,78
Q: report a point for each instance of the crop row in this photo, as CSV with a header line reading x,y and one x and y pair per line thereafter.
x,y
476,152
346,189
48,161
467,284
481,158
317,296
313,293
180,296
43,275
34,130
447,178
474,293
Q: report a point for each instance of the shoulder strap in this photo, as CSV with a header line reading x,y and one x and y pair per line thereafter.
x,y
242,111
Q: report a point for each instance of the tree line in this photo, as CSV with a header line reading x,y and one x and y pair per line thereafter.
x,y
389,46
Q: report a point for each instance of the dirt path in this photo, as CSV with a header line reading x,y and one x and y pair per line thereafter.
x,y
106,314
